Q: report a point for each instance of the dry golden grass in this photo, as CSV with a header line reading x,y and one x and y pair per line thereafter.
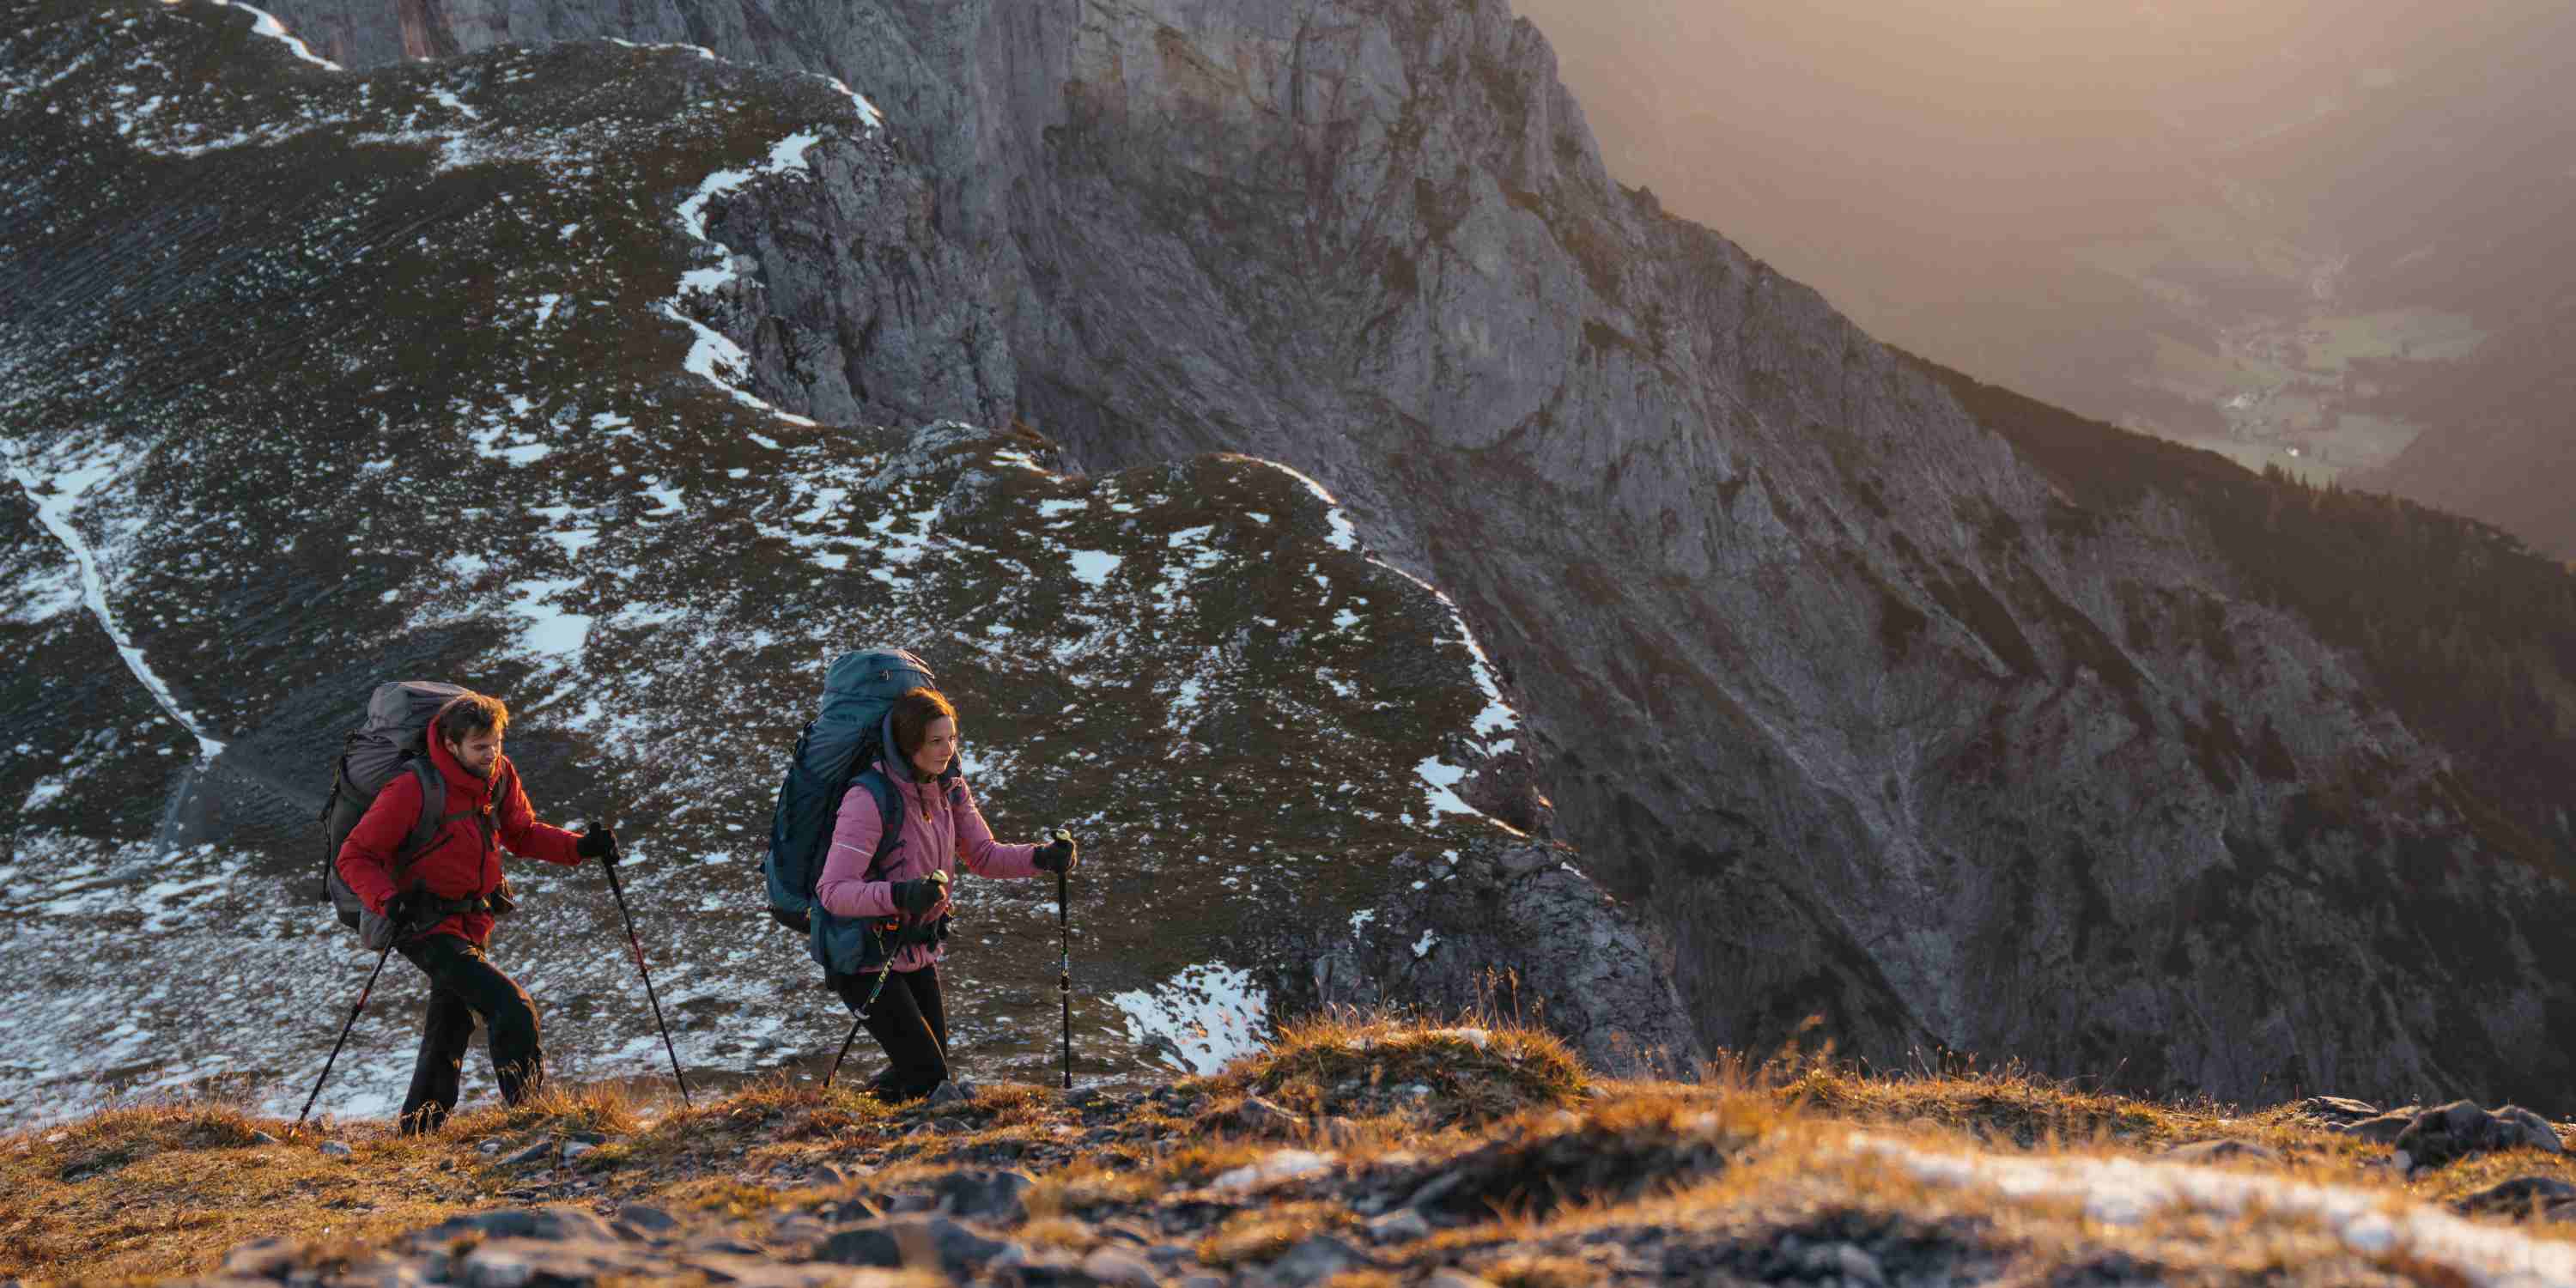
x,y
1260,1234
155,1191
1070,1190
1559,1165
1523,1270
1477,1070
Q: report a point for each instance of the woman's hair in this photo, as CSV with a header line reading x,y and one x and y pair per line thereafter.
x,y
913,713
468,714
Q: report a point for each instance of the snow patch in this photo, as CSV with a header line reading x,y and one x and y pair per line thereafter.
x,y
1443,779
270,27
1092,567
1205,1016
1286,1165
43,793
548,630
57,500
448,99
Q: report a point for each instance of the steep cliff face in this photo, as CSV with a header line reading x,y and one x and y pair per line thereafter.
x,y
1876,722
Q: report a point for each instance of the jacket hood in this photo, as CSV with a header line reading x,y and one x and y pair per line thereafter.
x,y
897,767
456,775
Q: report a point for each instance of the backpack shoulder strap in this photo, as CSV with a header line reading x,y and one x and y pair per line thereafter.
x,y
889,815
424,830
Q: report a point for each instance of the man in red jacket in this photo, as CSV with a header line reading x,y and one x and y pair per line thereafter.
x,y
445,900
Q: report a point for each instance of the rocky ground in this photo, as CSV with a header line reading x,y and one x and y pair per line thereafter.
x,y
1351,1151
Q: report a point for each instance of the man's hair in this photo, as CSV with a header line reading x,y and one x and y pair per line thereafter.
x,y
913,713
468,714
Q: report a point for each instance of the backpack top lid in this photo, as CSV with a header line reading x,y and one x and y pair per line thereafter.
x,y
858,696
881,674
397,727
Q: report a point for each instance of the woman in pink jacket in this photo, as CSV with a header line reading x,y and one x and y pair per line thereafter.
x,y
899,1000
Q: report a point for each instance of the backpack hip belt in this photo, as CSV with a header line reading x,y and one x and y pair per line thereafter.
x,y
500,901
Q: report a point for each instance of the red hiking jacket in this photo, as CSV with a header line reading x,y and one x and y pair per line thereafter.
x,y
457,864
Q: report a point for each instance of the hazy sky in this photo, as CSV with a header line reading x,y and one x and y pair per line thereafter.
x,y
1915,157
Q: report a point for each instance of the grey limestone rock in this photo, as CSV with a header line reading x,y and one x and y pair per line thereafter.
x,y
849,303
2457,1130
1453,934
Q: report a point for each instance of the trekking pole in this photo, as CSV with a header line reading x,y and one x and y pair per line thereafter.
x,y
1064,963
618,889
855,1022
860,1016
344,1033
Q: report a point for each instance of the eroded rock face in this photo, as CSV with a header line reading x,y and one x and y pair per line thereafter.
x,y
851,306
1875,724
1513,928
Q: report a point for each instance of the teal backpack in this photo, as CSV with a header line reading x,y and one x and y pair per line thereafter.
x,y
836,752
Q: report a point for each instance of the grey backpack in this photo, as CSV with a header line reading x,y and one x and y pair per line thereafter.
x,y
394,741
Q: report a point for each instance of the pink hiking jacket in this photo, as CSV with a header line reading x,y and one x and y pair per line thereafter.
x,y
941,830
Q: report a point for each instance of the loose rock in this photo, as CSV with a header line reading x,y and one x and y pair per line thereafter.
x,y
986,1195
260,1259
1119,1268
2521,1196
2211,1151
1263,1118
1400,1226
2337,1110
2460,1129
645,1217
1455,1279
885,1243
537,1153
2383,1130
1313,1259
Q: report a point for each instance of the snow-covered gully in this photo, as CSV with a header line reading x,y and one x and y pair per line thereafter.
x,y
55,507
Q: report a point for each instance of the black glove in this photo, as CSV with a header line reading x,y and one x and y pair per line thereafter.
x,y
920,896
404,908
600,842
1057,855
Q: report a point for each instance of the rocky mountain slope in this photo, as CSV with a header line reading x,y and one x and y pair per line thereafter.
x,y
315,379
1878,722
1356,1151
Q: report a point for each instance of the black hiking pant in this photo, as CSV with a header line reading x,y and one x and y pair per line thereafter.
x,y
463,984
909,1022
